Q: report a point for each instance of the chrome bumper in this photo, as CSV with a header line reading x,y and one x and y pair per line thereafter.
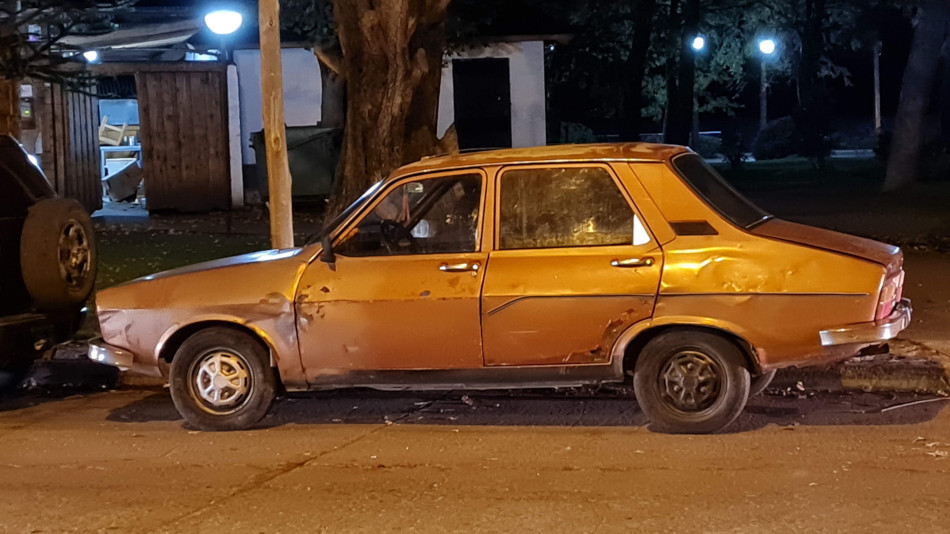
x,y
875,332
102,352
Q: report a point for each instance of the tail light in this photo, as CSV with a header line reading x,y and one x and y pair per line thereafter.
x,y
891,294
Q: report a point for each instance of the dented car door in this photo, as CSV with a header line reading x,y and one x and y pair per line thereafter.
x,y
403,292
573,265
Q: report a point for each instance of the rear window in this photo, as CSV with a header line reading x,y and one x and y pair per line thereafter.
x,y
707,183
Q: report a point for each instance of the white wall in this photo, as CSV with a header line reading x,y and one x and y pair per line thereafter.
x,y
526,75
302,92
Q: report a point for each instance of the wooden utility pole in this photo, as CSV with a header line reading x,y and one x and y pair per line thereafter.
x,y
275,138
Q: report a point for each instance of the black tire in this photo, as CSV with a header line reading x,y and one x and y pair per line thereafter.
x,y
760,382
58,254
709,371
244,360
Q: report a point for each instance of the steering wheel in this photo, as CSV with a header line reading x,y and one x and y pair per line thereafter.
x,y
394,232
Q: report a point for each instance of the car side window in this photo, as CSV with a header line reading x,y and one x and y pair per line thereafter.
x,y
565,207
426,216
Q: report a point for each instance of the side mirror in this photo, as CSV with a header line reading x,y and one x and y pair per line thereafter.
x,y
326,255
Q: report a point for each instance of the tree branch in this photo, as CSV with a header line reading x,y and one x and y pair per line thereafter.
x,y
332,58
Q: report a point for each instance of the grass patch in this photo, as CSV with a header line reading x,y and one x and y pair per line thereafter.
x,y
866,173
127,255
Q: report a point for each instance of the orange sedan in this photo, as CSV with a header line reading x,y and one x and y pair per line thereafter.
x,y
538,267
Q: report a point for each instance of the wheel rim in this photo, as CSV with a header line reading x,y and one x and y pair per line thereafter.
x,y
220,380
691,381
74,253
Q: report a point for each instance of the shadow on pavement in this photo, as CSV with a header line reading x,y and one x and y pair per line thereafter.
x,y
586,408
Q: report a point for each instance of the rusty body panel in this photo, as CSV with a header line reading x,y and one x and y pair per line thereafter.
x,y
503,310
255,291
390,313
776,293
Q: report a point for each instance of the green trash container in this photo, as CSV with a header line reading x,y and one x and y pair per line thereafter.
x,y
312,152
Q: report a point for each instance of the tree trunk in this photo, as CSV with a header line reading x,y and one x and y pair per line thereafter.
x,y
919,76
811,117
681,103
333,103
672,71
10,108
392,59
635,68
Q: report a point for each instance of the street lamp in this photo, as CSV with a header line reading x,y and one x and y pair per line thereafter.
x,y
223,22
767,47
698,43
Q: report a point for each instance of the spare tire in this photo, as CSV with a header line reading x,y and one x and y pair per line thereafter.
x,y
58,254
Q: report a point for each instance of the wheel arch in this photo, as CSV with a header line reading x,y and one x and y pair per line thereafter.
x,y
172,340
629,345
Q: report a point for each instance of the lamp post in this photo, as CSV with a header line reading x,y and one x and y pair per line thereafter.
x,y
698,44
224,22
767,48
877,88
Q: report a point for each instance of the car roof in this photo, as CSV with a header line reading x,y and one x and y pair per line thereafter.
x,y
648,152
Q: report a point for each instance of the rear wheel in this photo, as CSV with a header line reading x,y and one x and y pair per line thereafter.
x,y
221,379
759,383
691,382
58,254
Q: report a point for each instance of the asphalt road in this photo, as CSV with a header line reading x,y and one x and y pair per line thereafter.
x,y
571,461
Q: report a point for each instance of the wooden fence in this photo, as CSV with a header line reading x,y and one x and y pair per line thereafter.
x,y
69,122
184,124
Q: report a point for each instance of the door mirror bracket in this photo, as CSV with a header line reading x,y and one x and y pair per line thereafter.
x,y
326,255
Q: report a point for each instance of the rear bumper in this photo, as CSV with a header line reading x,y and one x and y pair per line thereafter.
x,y
102,352
873,332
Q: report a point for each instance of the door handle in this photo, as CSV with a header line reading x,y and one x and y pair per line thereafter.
x,y
632,262
462,267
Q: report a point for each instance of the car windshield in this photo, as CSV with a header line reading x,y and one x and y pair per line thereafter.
x,y
345,213
706,182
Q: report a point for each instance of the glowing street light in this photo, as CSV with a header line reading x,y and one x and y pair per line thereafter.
x,y
698,43
767,46
223,21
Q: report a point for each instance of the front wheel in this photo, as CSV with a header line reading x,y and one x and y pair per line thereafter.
x,y
691,382
221,379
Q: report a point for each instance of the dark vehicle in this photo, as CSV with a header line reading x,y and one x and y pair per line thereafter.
x,y
47,264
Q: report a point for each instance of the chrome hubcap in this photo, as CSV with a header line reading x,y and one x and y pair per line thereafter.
x,y
222,379
74,254
690,381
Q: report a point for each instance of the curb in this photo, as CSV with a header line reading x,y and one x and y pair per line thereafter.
x,y
909,366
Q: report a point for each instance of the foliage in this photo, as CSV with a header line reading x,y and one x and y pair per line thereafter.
x,y
586,74
573,132
732,146
309,20
31,31
776,140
